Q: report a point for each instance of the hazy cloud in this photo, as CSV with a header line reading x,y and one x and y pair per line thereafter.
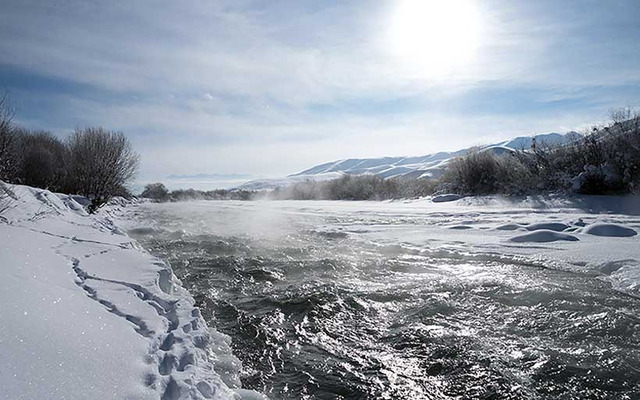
x,y
272,87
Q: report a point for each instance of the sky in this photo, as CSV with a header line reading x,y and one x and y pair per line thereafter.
x,y
268,88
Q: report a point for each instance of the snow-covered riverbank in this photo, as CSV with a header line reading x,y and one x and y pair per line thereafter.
x,y
87,313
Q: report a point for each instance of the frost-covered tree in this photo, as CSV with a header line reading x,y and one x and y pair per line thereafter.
x,y
101,164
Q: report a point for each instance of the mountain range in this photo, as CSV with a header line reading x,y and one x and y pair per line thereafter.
x,y
427,166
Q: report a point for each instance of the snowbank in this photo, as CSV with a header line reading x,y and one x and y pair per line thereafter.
x,y
543,236
610,230
87,313
445,198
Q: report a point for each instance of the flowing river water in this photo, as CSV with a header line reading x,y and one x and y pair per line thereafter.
x,y
326,303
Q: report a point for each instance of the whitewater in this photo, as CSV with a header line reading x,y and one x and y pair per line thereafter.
x,y
489,297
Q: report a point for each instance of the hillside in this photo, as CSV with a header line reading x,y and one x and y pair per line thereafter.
x,y
427,166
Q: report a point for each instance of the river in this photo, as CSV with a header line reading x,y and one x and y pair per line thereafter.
x,y
354,300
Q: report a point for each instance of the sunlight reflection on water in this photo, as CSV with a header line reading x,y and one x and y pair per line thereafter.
x,y
317,315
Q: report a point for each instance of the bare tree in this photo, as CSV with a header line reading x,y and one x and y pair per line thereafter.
x,y
622,115
7,134
101,164
41,160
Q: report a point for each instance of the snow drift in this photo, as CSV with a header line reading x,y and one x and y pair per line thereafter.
x,y
87,313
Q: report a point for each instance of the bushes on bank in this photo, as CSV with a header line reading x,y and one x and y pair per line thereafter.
x,y
159,192
101,163
93,162
605,160
475,172
356,187
484,172
155,191
348,187
41,160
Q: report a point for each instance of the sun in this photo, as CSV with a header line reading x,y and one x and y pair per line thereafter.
x,y
435,36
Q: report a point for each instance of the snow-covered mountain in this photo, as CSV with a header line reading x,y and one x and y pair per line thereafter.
x,y
427,166
273,183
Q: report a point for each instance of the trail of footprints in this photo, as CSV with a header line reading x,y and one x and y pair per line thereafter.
x,y
165,347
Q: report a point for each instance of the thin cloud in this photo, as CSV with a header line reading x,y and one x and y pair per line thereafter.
x,y
289,84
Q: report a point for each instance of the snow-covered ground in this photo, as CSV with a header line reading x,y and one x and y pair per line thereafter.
x,y
88,314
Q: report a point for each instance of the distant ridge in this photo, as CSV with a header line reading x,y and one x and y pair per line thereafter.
x,y
210,176
427,166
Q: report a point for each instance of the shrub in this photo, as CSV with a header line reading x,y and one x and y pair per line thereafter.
x,y
484,172
362,187
101,164
604,160
356,187
42,160
513,177
156,191
622,149
410,188
474,173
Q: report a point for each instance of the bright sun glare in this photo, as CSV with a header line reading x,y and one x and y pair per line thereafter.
x,y
435,36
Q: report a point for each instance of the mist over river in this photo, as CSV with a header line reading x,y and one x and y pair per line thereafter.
x,y
365,300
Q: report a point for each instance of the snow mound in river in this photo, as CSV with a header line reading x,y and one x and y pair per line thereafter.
x,y
543,236
87,313
551,226
445,198
610,230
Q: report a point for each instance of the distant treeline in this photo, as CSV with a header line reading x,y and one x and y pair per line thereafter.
x,y
93,162
348,187
159,192
356,187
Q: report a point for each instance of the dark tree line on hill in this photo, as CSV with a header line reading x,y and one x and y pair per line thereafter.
x,y
93,162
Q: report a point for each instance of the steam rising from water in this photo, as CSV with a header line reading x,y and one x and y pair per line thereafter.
x,y
318,306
